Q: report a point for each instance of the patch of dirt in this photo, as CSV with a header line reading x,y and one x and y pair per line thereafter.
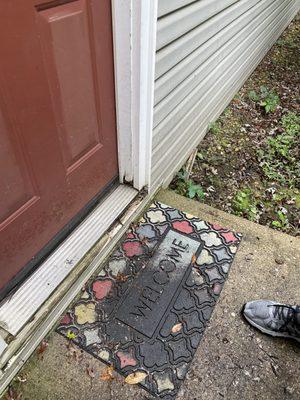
x,y
248,163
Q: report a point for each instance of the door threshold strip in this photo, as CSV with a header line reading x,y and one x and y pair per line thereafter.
x,y
19,308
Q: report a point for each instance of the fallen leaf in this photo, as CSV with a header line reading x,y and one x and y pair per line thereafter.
x,y
133,226
42,347
121,278
90,371
135,377
12,394
143,239
107,375
194,258
176,328
74,352
71,335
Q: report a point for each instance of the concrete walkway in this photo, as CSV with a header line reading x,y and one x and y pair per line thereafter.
x,y
233,361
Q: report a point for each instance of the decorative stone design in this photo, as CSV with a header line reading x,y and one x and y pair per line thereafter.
x,y
104,354
101,289
102,272
201,225
181,370
150,285
116,267
183,226
203,296
195,278
213,273
192,321
229,237
179,350
225,267
233,249
85,295
126,359
146,231
163,381
133,248
174,214
217,288
85,313
91,336
66,319
205,258
221,254
211,239
153,354
156,216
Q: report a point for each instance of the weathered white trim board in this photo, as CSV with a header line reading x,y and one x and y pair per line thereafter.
x,y
134,34
121,22
19,308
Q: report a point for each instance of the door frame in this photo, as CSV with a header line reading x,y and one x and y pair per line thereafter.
x,y
134,38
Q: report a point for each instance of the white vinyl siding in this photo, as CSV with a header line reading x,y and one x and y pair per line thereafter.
x,y
206,49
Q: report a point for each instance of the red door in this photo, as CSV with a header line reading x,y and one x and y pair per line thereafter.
x,y
57,120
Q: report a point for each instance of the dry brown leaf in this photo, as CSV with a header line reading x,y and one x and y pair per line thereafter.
x,y
194,258
12,394
107,375
121,278
74,352
135,377
133,226
176,328
90,371
143,239
42,347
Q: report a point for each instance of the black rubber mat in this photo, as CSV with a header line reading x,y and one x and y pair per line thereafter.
x,y
146,311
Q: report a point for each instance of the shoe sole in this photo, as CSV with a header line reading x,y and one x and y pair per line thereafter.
x,y
269,332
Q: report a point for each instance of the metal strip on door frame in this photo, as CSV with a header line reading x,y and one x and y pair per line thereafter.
x,y
51,246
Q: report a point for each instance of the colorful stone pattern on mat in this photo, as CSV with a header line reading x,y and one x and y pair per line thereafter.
x,y
148,308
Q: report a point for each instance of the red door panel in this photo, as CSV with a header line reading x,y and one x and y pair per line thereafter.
x,y
57,120
17,186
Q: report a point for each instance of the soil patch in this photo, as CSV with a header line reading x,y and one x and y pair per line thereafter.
x,y
248,163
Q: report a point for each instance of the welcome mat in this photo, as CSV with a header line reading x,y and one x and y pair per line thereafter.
x,y
146,311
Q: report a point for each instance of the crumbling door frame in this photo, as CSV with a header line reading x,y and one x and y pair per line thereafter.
x,y
134,36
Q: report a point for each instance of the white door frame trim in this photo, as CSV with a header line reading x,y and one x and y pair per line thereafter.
x,y
134,37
